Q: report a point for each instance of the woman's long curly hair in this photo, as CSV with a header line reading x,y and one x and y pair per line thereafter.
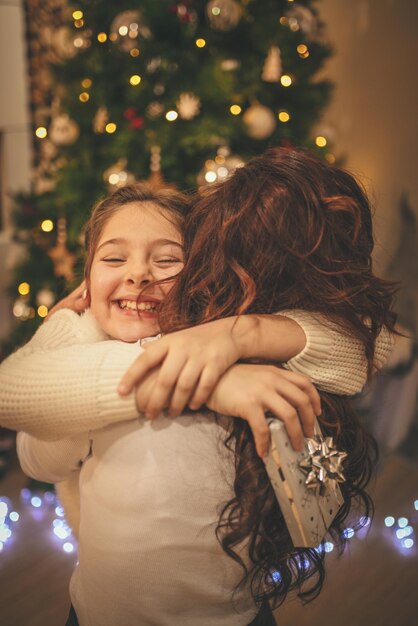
x,y
286,231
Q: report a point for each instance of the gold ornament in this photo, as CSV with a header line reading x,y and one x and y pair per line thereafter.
x,y
259,121
219,168
127,27
272,68
117,176
302,18
63,131
100,120
188,106
62,258
223,14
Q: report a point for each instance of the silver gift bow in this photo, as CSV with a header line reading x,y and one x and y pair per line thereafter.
x,y
323,464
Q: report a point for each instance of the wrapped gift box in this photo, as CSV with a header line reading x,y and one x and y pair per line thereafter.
x,y
305,483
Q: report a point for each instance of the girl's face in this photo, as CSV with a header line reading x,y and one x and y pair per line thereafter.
x,y
139,245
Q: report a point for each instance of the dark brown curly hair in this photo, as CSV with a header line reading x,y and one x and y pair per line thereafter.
x,y
286,231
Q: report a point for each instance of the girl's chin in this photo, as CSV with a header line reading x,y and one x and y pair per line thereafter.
x,y
141,331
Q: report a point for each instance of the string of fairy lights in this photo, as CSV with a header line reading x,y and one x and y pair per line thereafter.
x,y
399,532
131,34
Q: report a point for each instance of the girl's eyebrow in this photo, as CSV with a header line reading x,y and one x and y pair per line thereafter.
x,y
156,242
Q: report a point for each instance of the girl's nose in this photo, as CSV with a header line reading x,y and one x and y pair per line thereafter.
x,y
139,274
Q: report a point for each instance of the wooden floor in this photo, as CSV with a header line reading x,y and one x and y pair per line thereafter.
x,y
372,585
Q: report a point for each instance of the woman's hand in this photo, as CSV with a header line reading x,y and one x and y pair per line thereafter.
x,y
78,300
250,391
192,362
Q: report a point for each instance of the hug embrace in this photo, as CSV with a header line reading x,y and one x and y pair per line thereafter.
x,y
203,315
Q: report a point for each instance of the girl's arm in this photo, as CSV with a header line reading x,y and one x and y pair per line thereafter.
x,y
63,382
192,360
52,462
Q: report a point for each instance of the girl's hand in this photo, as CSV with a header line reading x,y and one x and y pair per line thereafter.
x,y
78,300
192,362
249,391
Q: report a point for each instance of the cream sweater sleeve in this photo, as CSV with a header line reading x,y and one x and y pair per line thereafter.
x,y
333,359
52,461
58,385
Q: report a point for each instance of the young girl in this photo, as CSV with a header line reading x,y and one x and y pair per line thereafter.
x,y
172,509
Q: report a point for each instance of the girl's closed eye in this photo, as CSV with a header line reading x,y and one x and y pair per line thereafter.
x,y
168,260
113,260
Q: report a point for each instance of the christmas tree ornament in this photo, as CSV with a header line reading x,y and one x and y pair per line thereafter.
x,y
100,120
117,175
272,68
62,258
228,65
300,17
219,168
259,121
155,159
59,41
188,106
223,15
63,131
184,11
155,109
45,297
127,27
21,309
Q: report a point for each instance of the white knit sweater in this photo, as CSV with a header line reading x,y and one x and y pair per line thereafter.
x,y
64,380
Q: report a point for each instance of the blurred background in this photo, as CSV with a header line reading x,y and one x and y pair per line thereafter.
x,y
95,95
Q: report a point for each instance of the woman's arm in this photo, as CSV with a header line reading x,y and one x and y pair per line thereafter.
x,y
52,461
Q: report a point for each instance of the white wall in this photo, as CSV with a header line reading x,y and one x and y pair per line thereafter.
x,y
15,128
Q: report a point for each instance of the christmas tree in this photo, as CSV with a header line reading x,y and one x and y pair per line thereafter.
x,y
142,89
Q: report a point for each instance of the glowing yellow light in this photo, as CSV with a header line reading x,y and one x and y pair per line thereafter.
x,y
293,24
216,11
219,159
79,23
286,80
210,177
24,289
283,20
41,132
86,83
305,55
302,49
210,164
78,42
284,116
77,15
171,115
200,43
134,52
330,158
235,109
113,36
123,30
135,79
320,141
110,127
84,97
47,226
102,37
42,310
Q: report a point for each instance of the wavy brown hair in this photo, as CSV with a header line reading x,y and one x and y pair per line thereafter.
x,y
285,231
